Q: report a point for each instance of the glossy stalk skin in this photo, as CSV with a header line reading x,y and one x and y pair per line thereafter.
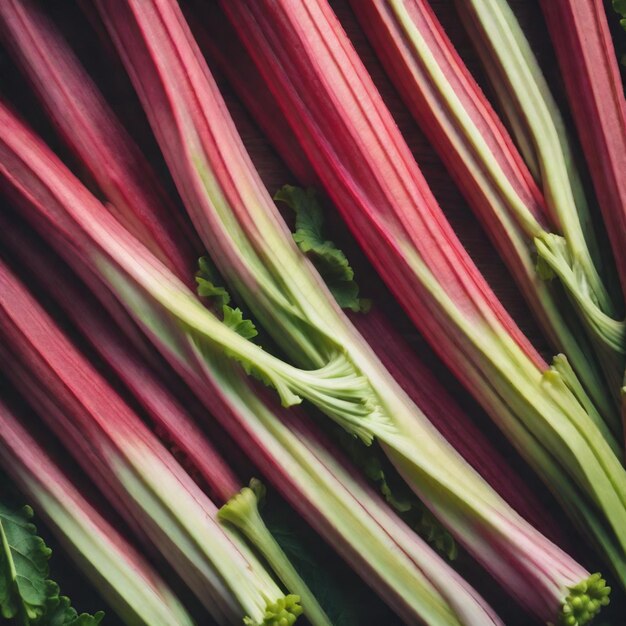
x,y
85,121
127,462
392,559
468,136
172,422
112,565
570,251
218,41
52,56
455,425
366,168
584,48
254,250
582,41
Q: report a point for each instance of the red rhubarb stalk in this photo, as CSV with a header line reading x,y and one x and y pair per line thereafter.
x,y
482,159
368,171
115,568
395,562
582,41
87,124
129,465
170,419
54,56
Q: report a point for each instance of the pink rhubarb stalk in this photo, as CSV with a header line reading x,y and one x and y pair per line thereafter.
x,y
255,252
128,464
53,56
87,124
472,142
408,574
366,168
582,41
127,581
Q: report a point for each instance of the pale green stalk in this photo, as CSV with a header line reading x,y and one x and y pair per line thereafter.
x,y
571,252
111,564
242,512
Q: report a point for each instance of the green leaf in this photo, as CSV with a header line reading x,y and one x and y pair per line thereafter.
x,y
368,459
206,279
234,319
24,556
26,594
329,260
61,613
338,589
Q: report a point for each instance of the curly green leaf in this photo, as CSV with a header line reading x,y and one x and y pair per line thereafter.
x,y
329,260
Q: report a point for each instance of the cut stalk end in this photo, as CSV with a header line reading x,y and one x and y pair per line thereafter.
x,y
584,601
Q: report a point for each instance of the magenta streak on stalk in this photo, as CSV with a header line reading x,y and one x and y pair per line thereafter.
x,y
54,200
380,28
582,41
35,472
163,408
189,119
102,431
218,39
405,209
87,124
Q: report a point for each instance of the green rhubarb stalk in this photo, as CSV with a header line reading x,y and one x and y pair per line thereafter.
x,y
242,512
130,466
571,251
112,565
255,253
367,170
474,146
419,585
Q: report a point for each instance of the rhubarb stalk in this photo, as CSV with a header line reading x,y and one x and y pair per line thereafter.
x,y
112,565
404,570
582,41
90,127
367,170
256,254
173,423
130,466
475,147
570,251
